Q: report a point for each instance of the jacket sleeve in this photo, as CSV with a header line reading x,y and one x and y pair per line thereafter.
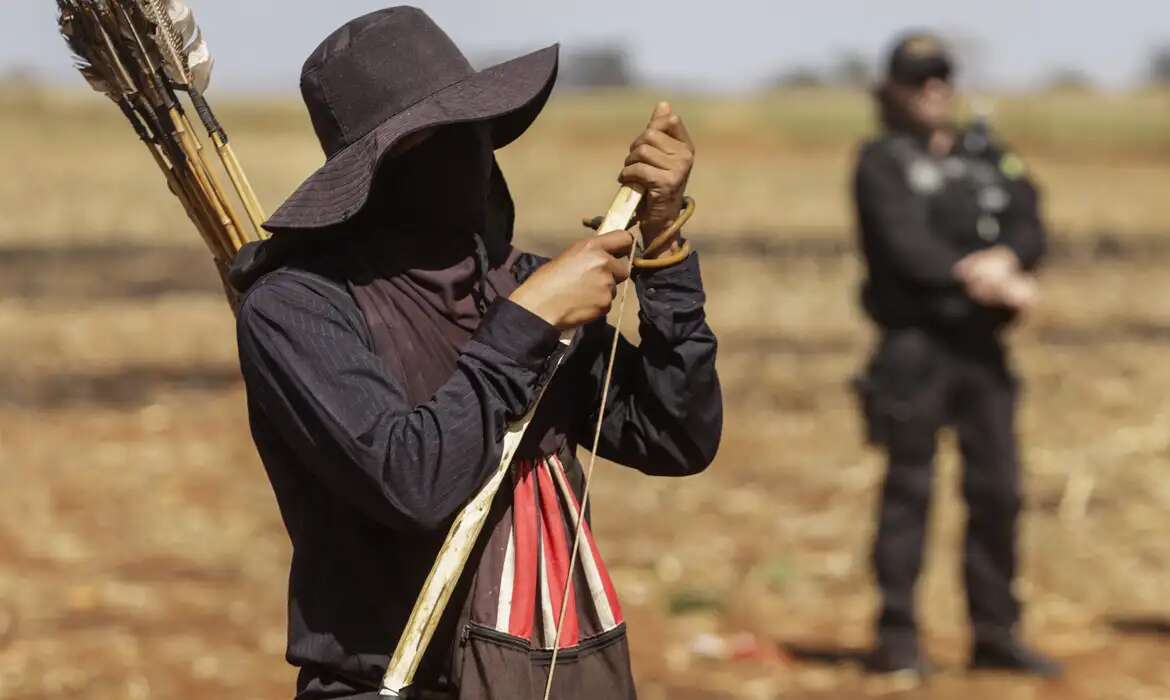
x,y
1024,230
664,412
899,226
307,366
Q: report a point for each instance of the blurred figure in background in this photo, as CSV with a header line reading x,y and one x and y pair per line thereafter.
x,y
950,230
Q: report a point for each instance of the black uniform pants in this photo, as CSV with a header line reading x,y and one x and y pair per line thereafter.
x,y
924,382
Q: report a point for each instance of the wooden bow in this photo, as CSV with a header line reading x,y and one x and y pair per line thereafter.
x,y
465,530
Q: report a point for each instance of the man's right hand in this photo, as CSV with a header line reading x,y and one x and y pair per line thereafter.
x,y
993,277
985,272
1019,293
578,286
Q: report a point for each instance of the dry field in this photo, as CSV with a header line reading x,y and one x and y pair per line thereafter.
x,y
141,555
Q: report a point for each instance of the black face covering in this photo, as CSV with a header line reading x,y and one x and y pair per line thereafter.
x,y
424,278
425,209
437,188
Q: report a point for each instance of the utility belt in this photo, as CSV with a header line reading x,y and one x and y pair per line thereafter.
x,y
904,361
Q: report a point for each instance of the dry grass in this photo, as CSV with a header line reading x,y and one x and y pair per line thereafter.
x,y
777,164
141,554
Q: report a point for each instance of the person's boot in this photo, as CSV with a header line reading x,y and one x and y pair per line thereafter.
x,y
1010,654
898,654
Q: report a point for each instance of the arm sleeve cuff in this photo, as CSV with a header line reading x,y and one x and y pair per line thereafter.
x,y
518,334
672,298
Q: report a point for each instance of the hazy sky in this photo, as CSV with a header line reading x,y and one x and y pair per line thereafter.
x,y
722,45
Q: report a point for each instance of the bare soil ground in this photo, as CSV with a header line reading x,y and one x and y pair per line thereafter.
x,y
141,555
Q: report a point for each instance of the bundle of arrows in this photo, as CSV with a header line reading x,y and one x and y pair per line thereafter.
x,y
143,55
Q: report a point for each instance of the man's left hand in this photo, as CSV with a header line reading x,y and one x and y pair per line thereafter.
x,y
660,164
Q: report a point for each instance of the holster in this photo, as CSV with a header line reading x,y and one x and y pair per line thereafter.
x,y
903,362
869,399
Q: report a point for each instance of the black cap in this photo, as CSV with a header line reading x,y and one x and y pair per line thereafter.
x,y
919,57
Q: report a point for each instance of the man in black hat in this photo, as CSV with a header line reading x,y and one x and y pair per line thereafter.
x,y
950,230
389,334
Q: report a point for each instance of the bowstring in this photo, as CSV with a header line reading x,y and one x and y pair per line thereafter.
x,y
589,474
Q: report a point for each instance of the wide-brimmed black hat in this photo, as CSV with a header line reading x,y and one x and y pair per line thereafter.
x,y
918,57
387,75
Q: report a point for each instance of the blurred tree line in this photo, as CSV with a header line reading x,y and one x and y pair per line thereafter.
x,y
609,65
854,69
1159,68
850,69
602,66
